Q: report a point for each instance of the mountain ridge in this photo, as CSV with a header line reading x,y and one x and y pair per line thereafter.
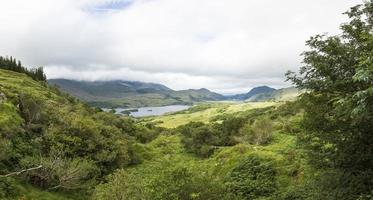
x,y
254,91
122,93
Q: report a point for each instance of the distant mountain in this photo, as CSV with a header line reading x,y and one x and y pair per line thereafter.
x,y
253,92
265,93
132,93
284,94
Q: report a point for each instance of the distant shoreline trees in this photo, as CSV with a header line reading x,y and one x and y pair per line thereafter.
x,y
12,64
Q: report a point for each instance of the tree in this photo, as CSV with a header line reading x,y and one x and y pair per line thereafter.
x,y
229,130
338,120
260,132
198,138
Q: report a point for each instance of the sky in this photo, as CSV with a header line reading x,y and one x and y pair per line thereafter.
x,y
227,46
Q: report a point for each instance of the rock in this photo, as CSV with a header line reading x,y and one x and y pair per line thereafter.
x,y
2,97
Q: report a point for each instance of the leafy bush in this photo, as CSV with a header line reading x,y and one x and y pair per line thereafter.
x,y
337,184
120,185
228,130
170,183
198,138
61,173
252,178
8,188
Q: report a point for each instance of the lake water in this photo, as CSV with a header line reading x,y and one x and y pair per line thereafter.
x,y
152,111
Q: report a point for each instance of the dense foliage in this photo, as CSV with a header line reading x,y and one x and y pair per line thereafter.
x,y
214,169
338,121
203,139
253,178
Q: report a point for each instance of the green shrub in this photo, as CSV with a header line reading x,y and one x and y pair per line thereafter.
x,y
60,173
8,188
182,183
252,178
120,185
228,130
176,182
260,132
198,138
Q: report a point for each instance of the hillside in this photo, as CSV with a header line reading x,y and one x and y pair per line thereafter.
x,y
132,94
284,94
59,143
265,93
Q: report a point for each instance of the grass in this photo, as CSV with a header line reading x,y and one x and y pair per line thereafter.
x,y
209,111
168,149
28,192
288,160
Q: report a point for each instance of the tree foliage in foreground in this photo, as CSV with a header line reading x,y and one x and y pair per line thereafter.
x,y
338,121
170,182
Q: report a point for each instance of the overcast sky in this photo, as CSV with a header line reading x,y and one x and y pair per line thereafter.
x,y
227,46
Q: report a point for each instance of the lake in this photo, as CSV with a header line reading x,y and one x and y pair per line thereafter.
x,y
151,111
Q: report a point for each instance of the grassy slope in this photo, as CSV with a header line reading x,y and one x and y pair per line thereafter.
x,y
206,113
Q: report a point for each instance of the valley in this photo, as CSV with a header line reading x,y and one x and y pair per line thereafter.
x,y
157,146
100,136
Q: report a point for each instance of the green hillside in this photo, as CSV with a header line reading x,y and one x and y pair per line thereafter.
x,y
74,145
254,91
206,112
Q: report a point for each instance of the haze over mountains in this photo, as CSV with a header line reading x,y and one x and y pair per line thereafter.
x,y
118,93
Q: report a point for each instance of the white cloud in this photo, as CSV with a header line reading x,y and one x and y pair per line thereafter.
x,y
224,45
